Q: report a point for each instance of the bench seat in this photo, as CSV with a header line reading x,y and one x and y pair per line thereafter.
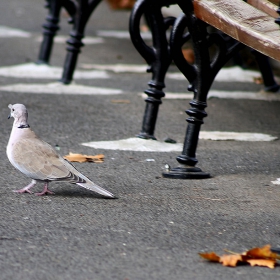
x,y
245,23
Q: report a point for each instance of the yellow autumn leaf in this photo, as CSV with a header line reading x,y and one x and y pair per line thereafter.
x,y
84,158
230,260
261,262
210,256
260,253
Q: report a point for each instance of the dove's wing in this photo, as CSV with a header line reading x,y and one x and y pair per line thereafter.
x,y
38,160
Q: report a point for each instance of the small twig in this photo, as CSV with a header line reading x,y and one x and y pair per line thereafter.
x,y
231,252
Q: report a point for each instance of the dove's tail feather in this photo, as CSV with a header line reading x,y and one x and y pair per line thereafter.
x,y
75,177
93,187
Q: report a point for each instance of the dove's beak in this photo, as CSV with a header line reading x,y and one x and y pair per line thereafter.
x,y
9,116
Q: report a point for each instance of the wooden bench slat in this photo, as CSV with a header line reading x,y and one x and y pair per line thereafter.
x,y
276,2
265,6
243,22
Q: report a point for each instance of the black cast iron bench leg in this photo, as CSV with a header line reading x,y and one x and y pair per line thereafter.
x,y
84,9
266,71
51,26
158,57
80,12
263,62
201,76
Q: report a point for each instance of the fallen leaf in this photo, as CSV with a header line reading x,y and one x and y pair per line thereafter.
x,y
230,260
188,55
212,257
144,28
259,262
261,253
123,101
255,257
121,4
258,80
84,158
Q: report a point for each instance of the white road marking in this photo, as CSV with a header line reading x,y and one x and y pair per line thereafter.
x,y
8,32
135,144
117,68
61,39
265,96
121,34
59,88
41,71
142,145
277,182
235,136
231,74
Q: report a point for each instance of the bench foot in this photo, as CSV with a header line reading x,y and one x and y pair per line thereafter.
x,y
185,173
144,135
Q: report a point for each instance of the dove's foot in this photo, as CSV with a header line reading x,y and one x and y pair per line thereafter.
x,y
24,190
27,188
45,191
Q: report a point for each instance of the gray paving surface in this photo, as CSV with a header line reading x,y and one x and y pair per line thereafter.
x,y
157,226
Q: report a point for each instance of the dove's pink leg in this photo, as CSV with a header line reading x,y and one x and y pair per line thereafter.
x,y
26,189
45,190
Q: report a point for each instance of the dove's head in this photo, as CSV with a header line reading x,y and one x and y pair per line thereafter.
x,y
19,113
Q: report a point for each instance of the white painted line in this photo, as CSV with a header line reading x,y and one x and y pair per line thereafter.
x,y
231,74
142,145
121,34
61,39
8,32
135,144
41,71
236,136
117,68
277,182
265,96
59,88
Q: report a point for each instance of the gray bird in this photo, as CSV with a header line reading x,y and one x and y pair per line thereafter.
x,y
38,160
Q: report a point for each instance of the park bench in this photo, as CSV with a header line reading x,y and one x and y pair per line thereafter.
x,y
251,23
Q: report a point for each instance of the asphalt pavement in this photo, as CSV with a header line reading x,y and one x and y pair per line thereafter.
x,y
157,226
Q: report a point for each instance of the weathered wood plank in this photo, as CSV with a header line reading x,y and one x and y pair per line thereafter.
x,y
265,6
243,22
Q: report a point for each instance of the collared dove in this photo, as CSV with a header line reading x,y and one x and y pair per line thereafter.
x,y
38,160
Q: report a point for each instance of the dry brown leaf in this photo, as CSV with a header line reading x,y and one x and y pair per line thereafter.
x,y
255,257
230,260
260,262
84,158
121,4
258,80
123,101
210,256
188,55
260,253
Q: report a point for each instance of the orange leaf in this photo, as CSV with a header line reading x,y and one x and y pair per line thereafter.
x,y
210,256
261,253
84,158
230,260
188,55
259,262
